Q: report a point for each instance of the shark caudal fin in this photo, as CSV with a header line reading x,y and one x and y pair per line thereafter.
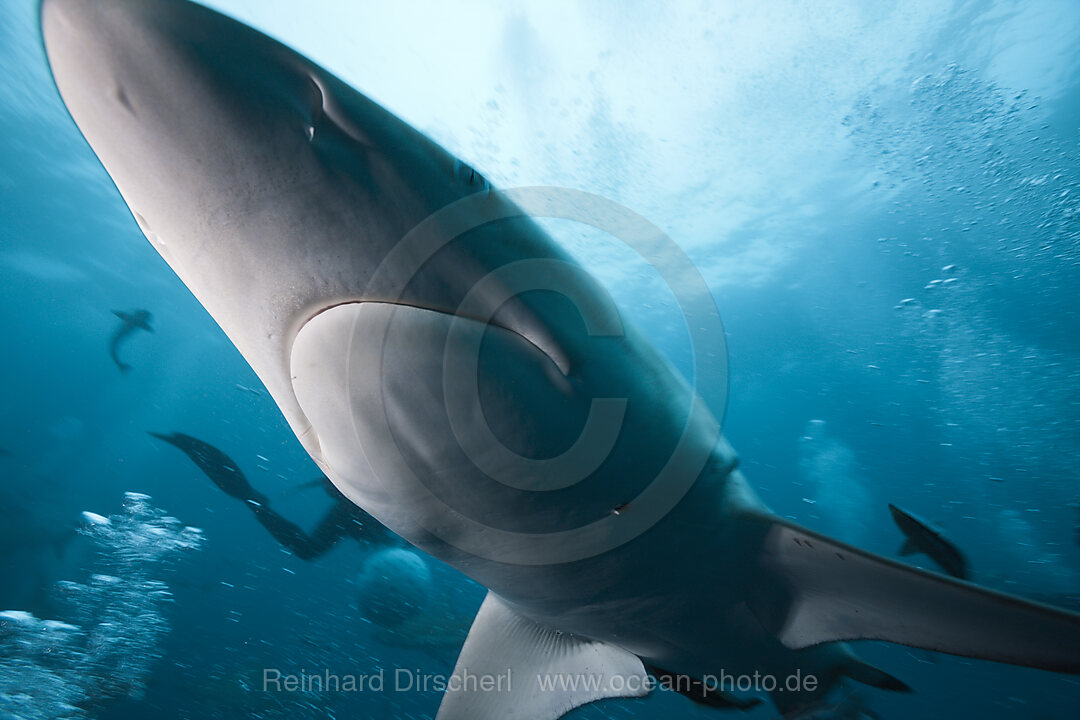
x,y
512,667
814,589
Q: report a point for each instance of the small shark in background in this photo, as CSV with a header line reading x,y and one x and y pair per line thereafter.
x,y
34,537
922,537
129,323
375,285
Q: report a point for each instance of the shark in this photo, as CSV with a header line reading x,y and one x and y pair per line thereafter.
x,y
922,537
129,323
457,375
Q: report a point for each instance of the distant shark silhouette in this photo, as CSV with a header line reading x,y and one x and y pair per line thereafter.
x,y
129,323
922,537
281,197
344,519
34,537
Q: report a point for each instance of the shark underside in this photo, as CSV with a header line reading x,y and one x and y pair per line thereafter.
x,y
440,358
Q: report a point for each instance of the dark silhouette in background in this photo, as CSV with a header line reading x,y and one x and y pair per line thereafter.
x,y
343,520
1076,506
129,323
922,537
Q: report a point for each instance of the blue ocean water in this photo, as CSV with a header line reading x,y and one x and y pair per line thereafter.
x,y
884,200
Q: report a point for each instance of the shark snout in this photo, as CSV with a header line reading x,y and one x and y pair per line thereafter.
x,y
78,37
105,44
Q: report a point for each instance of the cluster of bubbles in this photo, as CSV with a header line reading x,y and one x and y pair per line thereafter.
x,y
990,201
1007,412
114,624
394,587
990,178
1033,568
981,182
836,486
1016,398
399,610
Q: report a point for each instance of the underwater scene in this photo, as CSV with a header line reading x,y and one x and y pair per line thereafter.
x,y
845,235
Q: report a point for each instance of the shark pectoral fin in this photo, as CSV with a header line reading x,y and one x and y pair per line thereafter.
x,y
533,671
814,589
909,548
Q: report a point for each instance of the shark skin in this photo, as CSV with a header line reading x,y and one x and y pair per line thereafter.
x,y
445,385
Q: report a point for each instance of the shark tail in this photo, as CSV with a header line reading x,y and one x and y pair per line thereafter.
x,y
835,664
813,589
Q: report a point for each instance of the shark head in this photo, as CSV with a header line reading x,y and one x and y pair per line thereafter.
x,y
408,319
223,142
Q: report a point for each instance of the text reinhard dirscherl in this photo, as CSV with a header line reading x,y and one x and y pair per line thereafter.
x,y
464,680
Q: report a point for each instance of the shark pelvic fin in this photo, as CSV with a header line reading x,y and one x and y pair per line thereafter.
x,y
503,644
814,589
861,671
700,692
